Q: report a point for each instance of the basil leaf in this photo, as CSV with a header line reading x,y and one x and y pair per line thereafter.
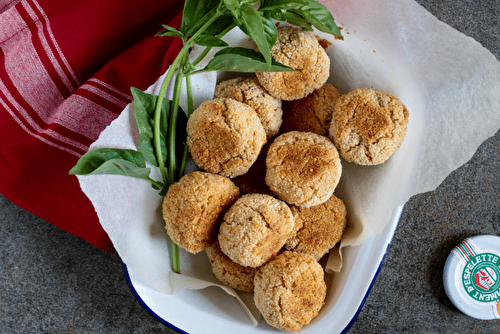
x,y
235,4
209,40
144,116
220,25
195,13
112,161
260,29
275,14
319,16
234,7
170,31
239,59
292,18
282,4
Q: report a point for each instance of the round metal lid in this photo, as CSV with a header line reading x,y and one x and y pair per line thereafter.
x,y
471,277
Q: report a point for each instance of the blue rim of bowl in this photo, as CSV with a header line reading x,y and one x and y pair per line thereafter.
x,y
163,321
143,304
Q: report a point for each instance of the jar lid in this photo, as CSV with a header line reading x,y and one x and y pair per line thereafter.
x,y
471,277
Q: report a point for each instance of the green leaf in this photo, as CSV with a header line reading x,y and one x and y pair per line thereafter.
x,y
275,14
236,4
234,7
242,60
211,41
290,17
260,29
112,161
195,14
282,4
170,31
220,25
319,16
163,188
144,117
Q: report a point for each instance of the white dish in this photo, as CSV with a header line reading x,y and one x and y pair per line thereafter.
x,y
134,223
195,311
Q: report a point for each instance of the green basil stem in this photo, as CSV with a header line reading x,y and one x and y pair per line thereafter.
x,y
171,155
189,91
174,248
156,184
174,257
207,49
190,102
177,65
157,113
172,130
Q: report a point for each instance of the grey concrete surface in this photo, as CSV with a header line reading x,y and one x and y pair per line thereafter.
x,y
53,282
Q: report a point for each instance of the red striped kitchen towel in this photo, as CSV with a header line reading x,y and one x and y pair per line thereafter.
x,y
66,68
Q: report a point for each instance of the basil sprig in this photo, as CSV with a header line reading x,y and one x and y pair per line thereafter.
x,y
161,122
114,161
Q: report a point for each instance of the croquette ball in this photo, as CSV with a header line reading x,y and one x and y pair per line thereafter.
x,y
312,113
254,229
303,168
290,290
301,51
228,272
249,91
225,136
320,227
193,208
368,126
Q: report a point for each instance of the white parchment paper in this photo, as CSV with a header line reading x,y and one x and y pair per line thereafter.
x,y
449,83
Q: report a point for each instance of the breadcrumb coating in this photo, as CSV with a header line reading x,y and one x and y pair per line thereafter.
x,y
301,51
193,208
249,91
225,136
368,126
312,113
290,290
303,168
228,272
320,227
254,229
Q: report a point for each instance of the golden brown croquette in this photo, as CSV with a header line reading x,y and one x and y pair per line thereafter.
x,y
303,168
225,136
249,91
312,113
368,126
290,290
320,227
229,272
193,208
301,51
255,228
